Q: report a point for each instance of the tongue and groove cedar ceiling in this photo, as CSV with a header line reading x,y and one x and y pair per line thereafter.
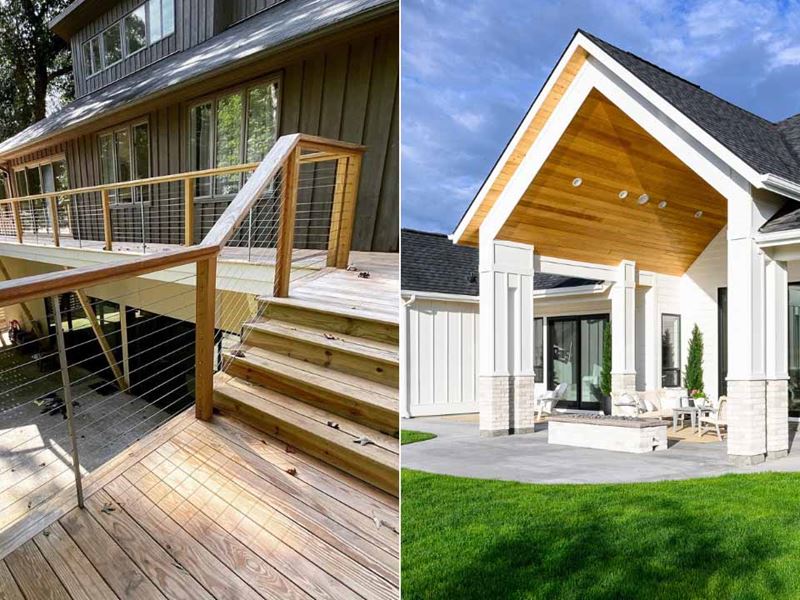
x,y
610,153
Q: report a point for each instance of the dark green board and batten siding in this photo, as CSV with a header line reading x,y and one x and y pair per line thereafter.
x,y
348,92
194,24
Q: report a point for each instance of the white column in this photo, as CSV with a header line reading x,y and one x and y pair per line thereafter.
x,y
623,330
746,377
776,358
506,338
652,339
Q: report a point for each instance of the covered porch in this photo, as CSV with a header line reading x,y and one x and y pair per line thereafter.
x,y
606,180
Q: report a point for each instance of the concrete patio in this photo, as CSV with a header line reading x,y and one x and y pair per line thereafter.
x,y
459,450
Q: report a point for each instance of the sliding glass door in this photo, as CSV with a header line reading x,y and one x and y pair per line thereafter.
x,y
575,353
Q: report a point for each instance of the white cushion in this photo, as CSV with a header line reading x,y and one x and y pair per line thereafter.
x,y
649,404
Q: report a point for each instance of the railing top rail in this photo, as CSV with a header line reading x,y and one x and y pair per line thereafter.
x,y
59,282
307,142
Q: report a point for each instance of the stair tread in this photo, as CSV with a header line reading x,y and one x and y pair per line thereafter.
x,y
384,450
339,309
345,384
359,346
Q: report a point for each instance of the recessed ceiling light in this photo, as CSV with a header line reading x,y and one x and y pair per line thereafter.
x,y
643,199
576,182
623,194
698,214
662,204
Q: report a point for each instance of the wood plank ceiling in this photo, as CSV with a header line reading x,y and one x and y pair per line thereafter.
x,y
610,153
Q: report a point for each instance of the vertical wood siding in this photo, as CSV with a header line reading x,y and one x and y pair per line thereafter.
x,y
349,92
442,357
194,24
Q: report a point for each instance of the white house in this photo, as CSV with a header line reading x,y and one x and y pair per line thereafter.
x,y
679,207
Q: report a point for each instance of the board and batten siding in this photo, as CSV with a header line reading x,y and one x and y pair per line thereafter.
x,y
194,24
441,354
348,91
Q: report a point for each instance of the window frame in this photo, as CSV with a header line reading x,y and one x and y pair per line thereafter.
x,y
128,126
146,45
678,369
102,35
37,164
213,99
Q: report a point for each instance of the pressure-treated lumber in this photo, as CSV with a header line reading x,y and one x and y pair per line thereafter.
x,y
205,302
17,220
101,339
107,233
339,190
188,211
53,203
288,211
348,211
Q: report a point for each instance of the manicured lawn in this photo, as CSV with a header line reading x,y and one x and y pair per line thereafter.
x,y
736,536
407,436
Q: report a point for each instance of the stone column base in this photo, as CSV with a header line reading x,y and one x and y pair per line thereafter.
x,y
621,383
506,404
777,418
747,421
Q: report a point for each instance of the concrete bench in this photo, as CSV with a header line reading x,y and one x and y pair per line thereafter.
x,y
606,432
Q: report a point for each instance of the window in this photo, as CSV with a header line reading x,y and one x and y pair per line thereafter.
x,y
231,129
34,179
670,351
161,19
538,350
112,45
125,155
92,55
135,31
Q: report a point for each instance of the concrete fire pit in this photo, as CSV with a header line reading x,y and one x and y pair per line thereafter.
x,y
607,432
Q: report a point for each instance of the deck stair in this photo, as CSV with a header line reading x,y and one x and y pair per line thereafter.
x,y
320,378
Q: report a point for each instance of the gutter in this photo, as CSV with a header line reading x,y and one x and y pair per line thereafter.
x,y
555,293
781,186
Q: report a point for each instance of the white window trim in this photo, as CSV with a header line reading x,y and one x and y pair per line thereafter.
x,y
213,100
130,126
22,168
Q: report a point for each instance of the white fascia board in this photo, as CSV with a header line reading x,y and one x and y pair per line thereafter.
x,y
781,186
684,122
777,238
515,139
573,268
598,288
439,296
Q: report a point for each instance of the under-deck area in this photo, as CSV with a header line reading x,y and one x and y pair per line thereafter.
x,y
211,510
195,509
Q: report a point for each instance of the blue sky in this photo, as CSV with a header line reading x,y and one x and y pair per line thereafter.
x,y
470,70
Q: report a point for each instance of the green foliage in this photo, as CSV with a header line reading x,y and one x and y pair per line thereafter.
x,y
605,372
35,65
407,436
725,537
693,376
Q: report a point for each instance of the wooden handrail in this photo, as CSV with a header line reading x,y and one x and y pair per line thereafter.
x,y
286,154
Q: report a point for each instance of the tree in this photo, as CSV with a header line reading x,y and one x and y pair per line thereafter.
x,y
605,372
35,64
694,362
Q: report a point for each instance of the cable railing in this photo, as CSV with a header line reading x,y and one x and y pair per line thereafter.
x,y
98,357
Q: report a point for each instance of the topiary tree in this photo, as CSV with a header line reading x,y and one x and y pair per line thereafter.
x,y
693,377
605,372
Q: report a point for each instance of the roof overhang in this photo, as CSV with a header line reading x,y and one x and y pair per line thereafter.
x,y
583,59
77,15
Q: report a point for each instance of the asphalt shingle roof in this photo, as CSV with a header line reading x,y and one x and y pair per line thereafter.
x,y
430,262
265,32
765,146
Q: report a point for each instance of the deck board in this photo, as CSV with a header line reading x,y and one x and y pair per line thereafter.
x,y
208,510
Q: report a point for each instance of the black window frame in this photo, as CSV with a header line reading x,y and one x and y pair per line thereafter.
x,y
676,370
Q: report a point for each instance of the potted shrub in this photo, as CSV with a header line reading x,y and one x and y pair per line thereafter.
x,y
605,371
693,377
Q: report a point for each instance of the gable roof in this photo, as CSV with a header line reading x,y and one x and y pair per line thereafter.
x,y
765,147
758,142
265,32
432,263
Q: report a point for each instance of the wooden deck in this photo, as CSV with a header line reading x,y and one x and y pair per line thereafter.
x,y
210,510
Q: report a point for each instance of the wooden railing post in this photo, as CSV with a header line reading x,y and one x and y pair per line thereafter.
x,y
188,210
17,220
286,220
336,211
53,201
205,316
348,211
107,219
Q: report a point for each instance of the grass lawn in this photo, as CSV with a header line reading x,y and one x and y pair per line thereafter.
x,y
736,536
407,436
